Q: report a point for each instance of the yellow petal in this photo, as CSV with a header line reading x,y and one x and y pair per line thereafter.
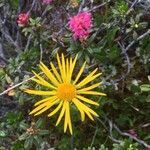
x,y
90,87
61,113
56,72
80,109
40,107
89,78
48,73
85,108
82,115
89,115
63,67
69,119
66,117
41,81
56,109
38,92
67,72
44,100
60,67
91,93
72,66
47,107
87,100
79,74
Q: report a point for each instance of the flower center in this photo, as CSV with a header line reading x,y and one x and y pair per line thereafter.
x,y
66,91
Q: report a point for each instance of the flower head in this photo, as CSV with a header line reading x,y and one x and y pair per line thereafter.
x,y
23,19
47,2
80,25
64,91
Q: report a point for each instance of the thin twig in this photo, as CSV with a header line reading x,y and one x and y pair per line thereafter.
x,y
132,137
28,42
2,54
32,6
7,36
138,39
113,125
124,51
17,85
41,52
81,6
98,6
94,136
110,132
131,8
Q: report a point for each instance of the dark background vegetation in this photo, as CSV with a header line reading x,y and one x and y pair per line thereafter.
x,y
119,45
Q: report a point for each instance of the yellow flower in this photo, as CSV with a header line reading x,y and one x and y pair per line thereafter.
x,y
63,91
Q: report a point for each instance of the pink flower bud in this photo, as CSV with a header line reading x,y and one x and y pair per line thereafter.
x,y
23,19
80,25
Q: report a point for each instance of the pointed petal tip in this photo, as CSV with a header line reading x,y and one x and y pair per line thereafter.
x,y
33,71
97,104
26,90
57,55
41,62
31,113
56,124
96,115
65,129
36,114
35,104
76,56
103,94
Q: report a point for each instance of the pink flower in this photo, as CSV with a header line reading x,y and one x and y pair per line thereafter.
x,y
47,1
80,25
23,19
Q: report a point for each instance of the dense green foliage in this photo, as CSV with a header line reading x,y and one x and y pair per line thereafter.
x,y
118,45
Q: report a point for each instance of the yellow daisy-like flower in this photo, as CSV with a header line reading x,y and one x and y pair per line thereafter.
x,y
63,91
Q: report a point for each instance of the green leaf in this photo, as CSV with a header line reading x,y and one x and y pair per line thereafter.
x,y
145,87
23,125
2,134
8,79
147,137
43,132
13,117
17,146
37,140
114,53
28,143
39,123
148,99
148,78
91,39
111,35
23,136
